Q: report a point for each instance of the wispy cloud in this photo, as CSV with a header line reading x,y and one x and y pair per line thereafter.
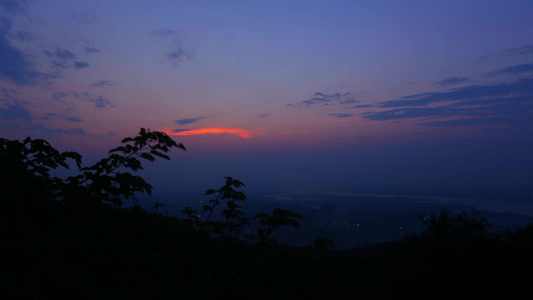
x,y
518,51
91,50
513,70
509,102
340,116
14,6
452,81
80,65
63,116
15,66
15,116
524,85
177,130
78,89
74,119
243,133
14,111
321,99
176,56
512,52
61,58
98,101
61,54
524,120
102,83
188,121
177,51
40,130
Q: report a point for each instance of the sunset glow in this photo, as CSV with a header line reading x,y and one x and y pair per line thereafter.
x,y
243,133
337,93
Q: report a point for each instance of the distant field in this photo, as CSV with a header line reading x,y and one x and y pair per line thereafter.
x,y
354,221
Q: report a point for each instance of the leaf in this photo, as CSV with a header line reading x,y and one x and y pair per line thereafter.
x,y
125,140
160,154
120,148
147,156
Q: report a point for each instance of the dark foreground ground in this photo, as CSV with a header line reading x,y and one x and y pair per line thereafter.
x,y
58,251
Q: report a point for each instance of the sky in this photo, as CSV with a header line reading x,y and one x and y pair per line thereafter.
x,y
412,97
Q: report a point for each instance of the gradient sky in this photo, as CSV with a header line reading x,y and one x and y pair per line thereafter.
x,y
427,96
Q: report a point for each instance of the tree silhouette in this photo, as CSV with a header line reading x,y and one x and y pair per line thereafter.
x,y
106,182
25,169
234,220
28,163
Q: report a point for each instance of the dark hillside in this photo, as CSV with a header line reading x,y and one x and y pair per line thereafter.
x,y
70,239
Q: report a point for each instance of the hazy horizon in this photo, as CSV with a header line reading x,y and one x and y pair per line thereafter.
x,y
369,97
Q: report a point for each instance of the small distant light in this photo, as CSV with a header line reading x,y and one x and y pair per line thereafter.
x,y
357,225
377,227
523,194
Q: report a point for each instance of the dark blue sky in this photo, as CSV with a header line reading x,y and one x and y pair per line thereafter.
x,y
397,96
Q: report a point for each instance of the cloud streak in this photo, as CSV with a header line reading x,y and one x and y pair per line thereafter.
x,y
15,67
243,133
513,70
178,53
14,116
101,83
321,99
63,116
519,51
14,6
340,115
452,81
98,101
14,112
513,52
188,121
507,102
80,65
489,91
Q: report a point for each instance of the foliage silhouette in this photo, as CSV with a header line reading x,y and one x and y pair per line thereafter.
x,y
29,163
105,182
70,239
270,223
235,222
447,226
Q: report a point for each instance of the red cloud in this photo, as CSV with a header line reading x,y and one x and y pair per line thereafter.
x,y
235,131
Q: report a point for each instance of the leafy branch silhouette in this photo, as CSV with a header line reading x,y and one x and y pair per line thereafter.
x,y
30,161
234,220
104,181
111,180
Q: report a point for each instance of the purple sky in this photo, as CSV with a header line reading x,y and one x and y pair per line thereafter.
x,y
429,96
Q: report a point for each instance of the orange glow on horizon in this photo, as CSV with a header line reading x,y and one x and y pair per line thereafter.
x,y
243,133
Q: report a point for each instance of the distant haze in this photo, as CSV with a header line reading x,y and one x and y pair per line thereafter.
x,y
397,97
